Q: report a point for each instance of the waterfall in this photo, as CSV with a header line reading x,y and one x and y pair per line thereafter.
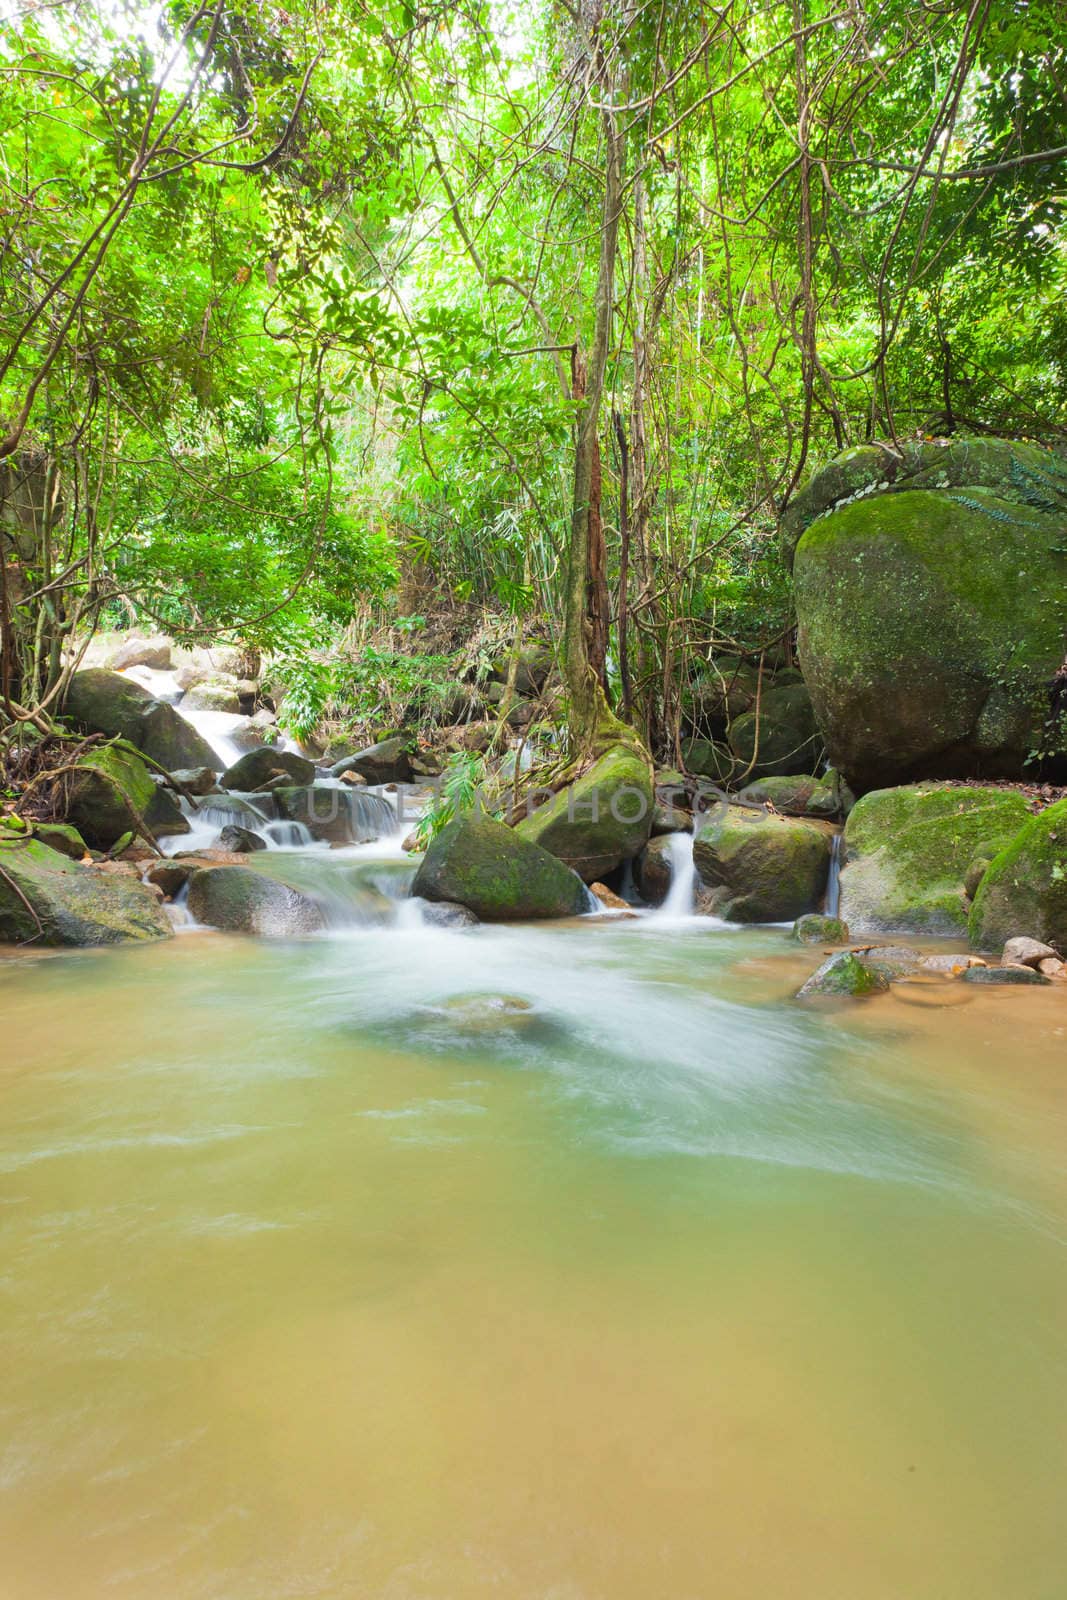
x,y
679,901
833,882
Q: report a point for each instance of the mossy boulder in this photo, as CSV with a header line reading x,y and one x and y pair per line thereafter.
x,y
814,928
724,689
532,668
1024,889
105,702
930,603
259,767
843,975
907,852
599,821
240,900
708,758
780,738
62,837
761,868
800,796
388,761
111,790
47,899
496,873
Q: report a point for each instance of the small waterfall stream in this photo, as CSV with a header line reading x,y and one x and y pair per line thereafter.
x,y
833,882
679,901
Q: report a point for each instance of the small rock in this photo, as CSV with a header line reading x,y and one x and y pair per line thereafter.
x,y
446,914
608,898
356,779
1002,975
950,966
169,877
241,841
813,928
1022,952
1053,968
844,974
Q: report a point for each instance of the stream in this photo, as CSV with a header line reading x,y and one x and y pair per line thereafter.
x,y
569,1262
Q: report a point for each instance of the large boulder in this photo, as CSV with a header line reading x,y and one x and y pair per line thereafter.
x,y
801,796
106,702
46,899
154,653
259,767
907,851
386,762
210,695
930,601
599,821
243,901
781,737
109,793
496,873
759,867
1024,890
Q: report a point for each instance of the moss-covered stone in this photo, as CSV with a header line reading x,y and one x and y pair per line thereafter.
x,y
780,738
243,901
930,612
844,974
497,874
110,790
106,702
62,837
1024,890
599,821
708,758
907,851
814,928
760,867
797,796
47,899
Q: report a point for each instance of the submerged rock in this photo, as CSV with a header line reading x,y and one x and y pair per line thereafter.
x,y
259,767
950,965
242,901
929,590
762,868
1024,890
907,850
446,914
843,974
47,899
814,928
892,961
241,841
497,874
599,821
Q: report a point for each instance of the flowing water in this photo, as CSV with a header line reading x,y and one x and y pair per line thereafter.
x,y
648,1284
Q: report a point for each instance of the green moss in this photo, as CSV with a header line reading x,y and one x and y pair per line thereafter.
x,y
843,975
1024,889
816,929
762,868
47,899
110,789
497,874
601,820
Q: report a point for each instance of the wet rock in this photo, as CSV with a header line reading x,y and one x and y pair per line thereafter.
x,y
154,653
1024,892
497,874
165,735
446,914
762,868
843,974
111,790
386,762
242,901
670,819
259,767
951,965
1003,975
653,870
601,820
610,900
892,961
1023,952
47,899
209,696
907,850
355,780
240,841
335,815
169,876
814,928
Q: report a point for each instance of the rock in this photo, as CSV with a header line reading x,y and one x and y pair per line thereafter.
x,y
258,767
1023,952
706,759
1054,969
195,780
609,899
724,690
975,873
929,595
906,852
601,820
1003,975
356,779
62,837
483,1013
670,819
169,876
800,796
843,974
242,901
446,914
762,868
532,670
336,815
950,966
109,789
188,675
781,738
154,653
105,702
241,841
814,928
208,696
73,904
654,869
892,961
386,762
497,874
1024,890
